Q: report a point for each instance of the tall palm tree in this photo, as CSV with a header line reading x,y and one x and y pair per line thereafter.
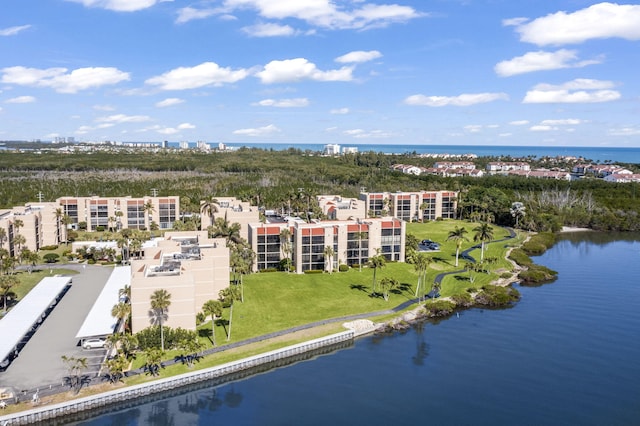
x,y
213,308
421,264
457,235
376,262
222,228
149,209
3,237
121,312
517,211
228,296
160,301
7,282
209,207
483,233
59,214
285,246
329,252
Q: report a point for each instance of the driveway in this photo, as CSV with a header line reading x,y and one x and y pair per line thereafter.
x,y
39,363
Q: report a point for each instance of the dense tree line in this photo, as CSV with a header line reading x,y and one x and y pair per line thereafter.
x,y
273,179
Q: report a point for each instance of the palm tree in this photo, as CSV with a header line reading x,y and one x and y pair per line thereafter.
x,y
212,308
149,209
376,262
483,233
222,228
457,235
285,246
360,235
209,207
59,214
7,282
517,211
3,237
387,284
121,312
19,241
228,296
329,252
160,301
421,265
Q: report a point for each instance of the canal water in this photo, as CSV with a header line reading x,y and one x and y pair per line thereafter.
x,y
567,354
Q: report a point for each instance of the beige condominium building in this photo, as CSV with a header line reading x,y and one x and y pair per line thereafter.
x,y
40,224
191,267
352,242
121,212
234,210
411,206
336,207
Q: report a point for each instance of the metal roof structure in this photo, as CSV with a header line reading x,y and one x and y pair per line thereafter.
x,y
29,312
99,321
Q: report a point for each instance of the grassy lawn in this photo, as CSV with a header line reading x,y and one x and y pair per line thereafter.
x,y
29,280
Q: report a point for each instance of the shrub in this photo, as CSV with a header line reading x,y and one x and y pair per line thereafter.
x,y
269,270
51,257
438,308
537,274
49,248
91,261
539,243
463,300
314,271
505,275
100,228
494,296
520,257
343,268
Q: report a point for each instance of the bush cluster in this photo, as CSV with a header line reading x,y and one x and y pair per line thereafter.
x,y
149,338
537,274
495,296
343,268
520,257
439,308
539,243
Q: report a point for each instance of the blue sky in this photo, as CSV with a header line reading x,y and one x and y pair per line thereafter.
x,y
472,72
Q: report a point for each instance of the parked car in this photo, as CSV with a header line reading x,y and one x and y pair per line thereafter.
x,y
428,245
93,344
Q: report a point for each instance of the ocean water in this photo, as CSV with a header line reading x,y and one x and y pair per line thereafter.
x,y
601,154
566,354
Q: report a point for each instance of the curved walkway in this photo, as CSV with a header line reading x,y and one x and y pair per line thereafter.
x,y
47,390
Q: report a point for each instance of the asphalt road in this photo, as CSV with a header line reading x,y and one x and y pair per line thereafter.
x,y
39,363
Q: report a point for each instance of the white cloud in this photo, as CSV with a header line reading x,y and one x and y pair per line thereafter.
x,y
269,30
291,70
542,128
519,122
167,130
473,128
625,131
205,74
339,111
540,61
13,30
358,56
187,14
260,131
21,100
103,108
169,102
563,122
602,20
372,134
327,14
119,5
171,130
460,100
61,81
186,126
505,135
575,91
284,103
514,22
121,118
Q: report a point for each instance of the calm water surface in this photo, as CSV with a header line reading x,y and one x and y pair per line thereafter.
x,y
567,354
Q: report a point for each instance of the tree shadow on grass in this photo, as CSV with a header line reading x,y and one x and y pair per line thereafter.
x,y
360,287
461,278
402,288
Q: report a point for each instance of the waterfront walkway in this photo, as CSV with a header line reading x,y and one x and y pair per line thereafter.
x,y
51,389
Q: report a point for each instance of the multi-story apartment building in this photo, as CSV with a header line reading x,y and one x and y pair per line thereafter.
x,y
191,267
234,210
411,206
121,212
335,207
352,242
39,223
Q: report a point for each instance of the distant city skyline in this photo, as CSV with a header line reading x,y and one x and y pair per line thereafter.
x,y
448,72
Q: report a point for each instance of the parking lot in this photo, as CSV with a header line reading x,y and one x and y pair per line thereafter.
x,y
40,361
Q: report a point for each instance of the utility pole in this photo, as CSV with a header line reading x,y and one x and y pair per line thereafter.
x,y
154,192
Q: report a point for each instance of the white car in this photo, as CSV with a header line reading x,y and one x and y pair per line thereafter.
x,y
93,344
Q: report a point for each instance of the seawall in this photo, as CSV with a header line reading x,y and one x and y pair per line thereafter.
x,y
77,409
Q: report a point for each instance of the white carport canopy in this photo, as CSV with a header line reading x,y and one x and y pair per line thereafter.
x,y
28,312
99,321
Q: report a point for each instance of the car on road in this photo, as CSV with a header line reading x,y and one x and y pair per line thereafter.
x,y
428,245
93,344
